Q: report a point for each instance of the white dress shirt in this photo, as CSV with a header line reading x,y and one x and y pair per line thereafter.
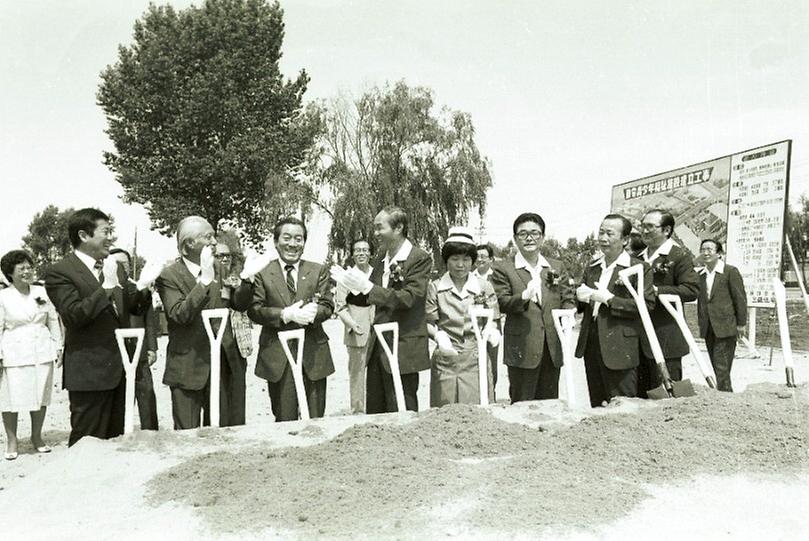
x,y
536,272
710,275
606,274
89,262
400,257
295,268
663,249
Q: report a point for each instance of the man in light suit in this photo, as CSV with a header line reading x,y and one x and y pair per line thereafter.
x,y
609,339
529,287
397,289
721,309
287,294
188,286
673,273
357,315
94,297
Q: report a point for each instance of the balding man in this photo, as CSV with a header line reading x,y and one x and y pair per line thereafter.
x,y
187,287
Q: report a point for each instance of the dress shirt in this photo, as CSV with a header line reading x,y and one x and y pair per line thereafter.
x,y
89,262
536,272
606,274
663,249
295,268
400,257
710,275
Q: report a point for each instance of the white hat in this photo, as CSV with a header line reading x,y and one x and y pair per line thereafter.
x,y
461,235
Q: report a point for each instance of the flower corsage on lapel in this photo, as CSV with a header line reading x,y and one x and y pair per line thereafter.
x,y
661,266
396,273
552,278
40,301
480,300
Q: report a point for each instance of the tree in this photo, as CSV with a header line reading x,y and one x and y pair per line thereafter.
x,y
47,240
797,228
201,119
392,147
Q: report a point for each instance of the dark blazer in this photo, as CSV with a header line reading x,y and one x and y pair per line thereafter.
x,y
188,354
403,301
92,361
673,275
270,296
727,306
528,325
619,324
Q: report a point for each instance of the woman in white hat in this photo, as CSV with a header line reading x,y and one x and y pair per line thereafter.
x,y
454,375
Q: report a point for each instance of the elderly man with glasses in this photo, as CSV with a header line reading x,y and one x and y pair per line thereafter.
x,y
529,287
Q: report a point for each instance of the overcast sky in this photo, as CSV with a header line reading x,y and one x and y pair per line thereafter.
x,y
568,98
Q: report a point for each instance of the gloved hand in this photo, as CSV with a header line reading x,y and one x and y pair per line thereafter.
x,y
149,274
308,312
151,357
254,264
584,292
291,312
206,261
445,344
601,295
110,273
356,281
531,289
494,336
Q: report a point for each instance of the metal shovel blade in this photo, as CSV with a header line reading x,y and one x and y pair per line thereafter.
x,y
658,393
682,388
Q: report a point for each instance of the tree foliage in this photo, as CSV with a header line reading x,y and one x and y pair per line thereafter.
x,y
201,118
47,240
575,255
393,146
797,228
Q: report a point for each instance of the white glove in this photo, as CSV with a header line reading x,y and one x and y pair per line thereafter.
x,y
584,292
307,313
531,289
601,295
110,272
149,274
445,344
206,265
356,281
254,264
494,337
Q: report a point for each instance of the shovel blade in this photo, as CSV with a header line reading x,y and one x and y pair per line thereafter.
x,y
658,393
682,388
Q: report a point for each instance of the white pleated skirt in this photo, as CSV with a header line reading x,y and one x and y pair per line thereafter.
x,y
26,388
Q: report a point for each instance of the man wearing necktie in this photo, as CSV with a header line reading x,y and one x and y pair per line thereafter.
x,y
609,339
188,286
529,287
289,293
94,297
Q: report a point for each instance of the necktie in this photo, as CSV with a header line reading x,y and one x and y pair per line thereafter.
x,y
99,266
290,279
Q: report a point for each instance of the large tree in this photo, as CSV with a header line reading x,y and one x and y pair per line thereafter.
x,y
47,238
393,146
201,118
797,230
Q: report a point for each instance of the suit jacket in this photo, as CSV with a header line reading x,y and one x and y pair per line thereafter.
x,y
92,361
673,275
529,326
188,354
403,302
726,308
619,324
270,295
29,328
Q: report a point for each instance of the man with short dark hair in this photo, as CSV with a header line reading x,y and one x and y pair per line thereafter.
x,y
484,271
721,309
529,287
93,296
291,293
673,273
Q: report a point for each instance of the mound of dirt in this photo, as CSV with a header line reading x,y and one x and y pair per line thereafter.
x,y
502,478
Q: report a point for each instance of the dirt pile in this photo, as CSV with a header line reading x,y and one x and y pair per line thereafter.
x,y
505,478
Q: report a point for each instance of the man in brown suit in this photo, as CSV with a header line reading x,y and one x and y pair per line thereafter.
x,y
611,326
290,293
398,289
721,309
529,287
187,287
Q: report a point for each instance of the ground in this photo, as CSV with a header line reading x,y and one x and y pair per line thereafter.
x,y
698,467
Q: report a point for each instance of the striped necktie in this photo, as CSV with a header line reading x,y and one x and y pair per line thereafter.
x,y
290,279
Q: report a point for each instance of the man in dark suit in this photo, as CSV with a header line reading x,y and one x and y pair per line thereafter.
x,y
673,273
290,293
609,339
722,310
529,287
94,297
398,289
144,383
188,286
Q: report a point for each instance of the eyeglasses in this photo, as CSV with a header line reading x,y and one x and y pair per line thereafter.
x,y
523,235
649,227
223,256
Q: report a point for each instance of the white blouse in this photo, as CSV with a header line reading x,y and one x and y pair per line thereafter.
x,y
29,327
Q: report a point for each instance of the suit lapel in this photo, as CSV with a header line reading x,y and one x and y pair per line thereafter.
x,y
280,282
717,278
304,280
90,279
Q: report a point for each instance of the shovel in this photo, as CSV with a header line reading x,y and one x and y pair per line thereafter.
x,y
565,333
783,328
393,358
669,388
482,336
129,369
674,305
297,366
216,358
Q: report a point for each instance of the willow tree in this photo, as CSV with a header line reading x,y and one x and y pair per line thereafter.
x,y
394,146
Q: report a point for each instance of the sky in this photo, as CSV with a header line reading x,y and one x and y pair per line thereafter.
x,y
568,98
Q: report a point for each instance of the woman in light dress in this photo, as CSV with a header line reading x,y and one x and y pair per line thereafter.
x,y
30,343
454,374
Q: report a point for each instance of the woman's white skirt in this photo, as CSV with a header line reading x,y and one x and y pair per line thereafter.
x,y
26,388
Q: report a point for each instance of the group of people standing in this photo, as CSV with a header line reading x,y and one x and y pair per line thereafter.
x,y
93,295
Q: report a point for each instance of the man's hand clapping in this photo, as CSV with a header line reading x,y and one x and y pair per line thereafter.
x,y
206,260
110,273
